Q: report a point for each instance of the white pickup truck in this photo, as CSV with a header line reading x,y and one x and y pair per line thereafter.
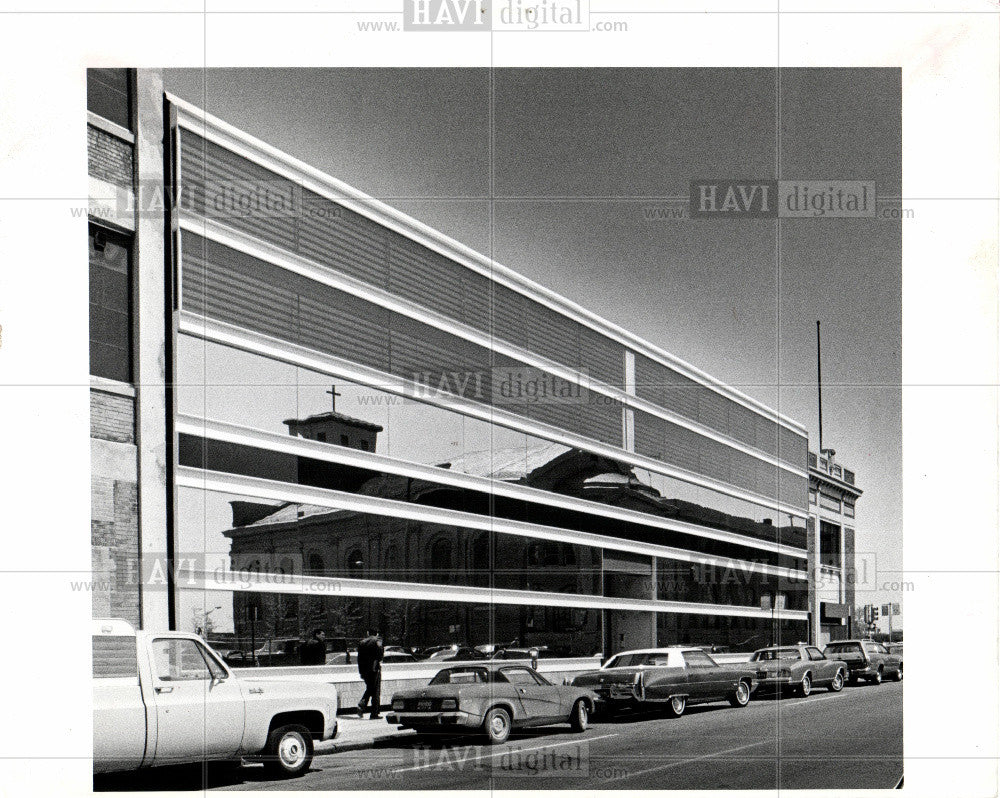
x,y
165,698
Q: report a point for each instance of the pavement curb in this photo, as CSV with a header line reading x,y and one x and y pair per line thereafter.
x,y
336,747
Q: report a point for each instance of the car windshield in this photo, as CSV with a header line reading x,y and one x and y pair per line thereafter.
x,y
776,653
635,660
842,648
461,676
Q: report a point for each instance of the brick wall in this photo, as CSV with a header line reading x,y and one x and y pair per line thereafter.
x,y
112,417
114,525
109,158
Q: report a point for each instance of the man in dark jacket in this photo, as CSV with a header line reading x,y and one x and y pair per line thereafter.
x,y
370,653
313,651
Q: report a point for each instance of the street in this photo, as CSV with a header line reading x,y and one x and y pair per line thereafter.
x,y
852,739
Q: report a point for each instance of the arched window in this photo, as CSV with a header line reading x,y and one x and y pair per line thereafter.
x,y
441,559
316,566
390,563
356,563
480,560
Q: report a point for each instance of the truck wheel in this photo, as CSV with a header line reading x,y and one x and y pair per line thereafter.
x,y
676,706
289,751
838,682
496,725
741,695
580,716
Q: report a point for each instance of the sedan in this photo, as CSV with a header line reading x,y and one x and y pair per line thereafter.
x,y
798,668
491,699
672,677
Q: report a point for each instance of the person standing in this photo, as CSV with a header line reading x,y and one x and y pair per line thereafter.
x,y
313,651
370,654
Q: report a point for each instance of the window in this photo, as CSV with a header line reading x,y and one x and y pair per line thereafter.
x,y
110,305
108,95
363,445
849,508
776,653
699,659
321,437
462,676
345,440
356,564
520,676
178,660
842,648
815,653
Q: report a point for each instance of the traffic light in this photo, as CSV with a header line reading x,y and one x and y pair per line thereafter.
x,y
875,613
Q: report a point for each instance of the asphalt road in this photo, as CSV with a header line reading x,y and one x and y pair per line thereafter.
x,y
853,739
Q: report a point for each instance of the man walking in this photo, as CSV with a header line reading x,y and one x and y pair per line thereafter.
x,y
370,653
313,652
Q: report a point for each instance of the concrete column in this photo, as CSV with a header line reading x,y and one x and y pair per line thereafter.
x,y
151,330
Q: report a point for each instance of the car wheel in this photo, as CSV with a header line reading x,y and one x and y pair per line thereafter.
x,y
497,725
289,751
806,686
741,695
676,706
580,716
877,678
838,682
899,674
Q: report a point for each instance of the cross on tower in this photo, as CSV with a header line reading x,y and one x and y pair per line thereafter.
x,y
334,393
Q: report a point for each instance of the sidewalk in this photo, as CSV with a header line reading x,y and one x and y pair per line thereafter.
x,y
356,733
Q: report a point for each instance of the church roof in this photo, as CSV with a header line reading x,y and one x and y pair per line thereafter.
x,y
330,415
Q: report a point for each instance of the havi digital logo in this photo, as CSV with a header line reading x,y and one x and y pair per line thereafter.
x,y
447,15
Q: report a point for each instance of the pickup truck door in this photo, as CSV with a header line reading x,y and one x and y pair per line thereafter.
x,y
199,707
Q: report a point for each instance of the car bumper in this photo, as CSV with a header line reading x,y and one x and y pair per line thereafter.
x,y
332,730
455,719
616,694
862,671
766,683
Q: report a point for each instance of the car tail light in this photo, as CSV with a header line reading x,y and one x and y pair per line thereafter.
x,y
449,703
398,704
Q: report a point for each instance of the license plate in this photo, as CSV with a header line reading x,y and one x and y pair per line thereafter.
x,y
423,706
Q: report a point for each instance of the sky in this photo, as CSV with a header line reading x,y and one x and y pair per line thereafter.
x,y
549,171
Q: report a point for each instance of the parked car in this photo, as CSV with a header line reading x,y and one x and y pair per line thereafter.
x,y
162,698
895,648
492,699
673,677
542,652
799,668
866,660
